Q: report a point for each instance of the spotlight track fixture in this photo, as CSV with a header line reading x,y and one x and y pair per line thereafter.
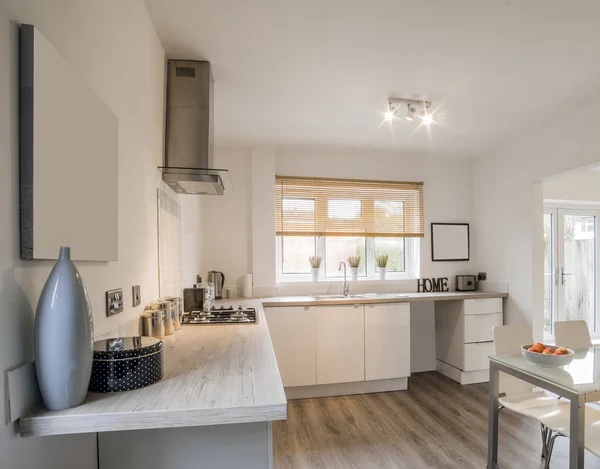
x,y
411,109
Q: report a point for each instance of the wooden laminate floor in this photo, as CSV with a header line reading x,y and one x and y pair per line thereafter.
x,y
435,424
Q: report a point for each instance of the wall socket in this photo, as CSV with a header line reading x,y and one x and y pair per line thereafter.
x,y
482,276
114,302
136,296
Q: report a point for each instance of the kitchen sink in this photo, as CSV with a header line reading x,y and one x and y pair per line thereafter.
x,y
328,297
383,295
363,296
336,297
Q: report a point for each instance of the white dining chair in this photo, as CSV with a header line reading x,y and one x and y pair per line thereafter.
x,y
572,334
556,419
515,394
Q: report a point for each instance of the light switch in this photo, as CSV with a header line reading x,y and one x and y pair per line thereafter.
x,y
137,297
114,302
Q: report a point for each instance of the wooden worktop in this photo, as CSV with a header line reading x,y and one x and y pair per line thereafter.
x,y
213,375
379,298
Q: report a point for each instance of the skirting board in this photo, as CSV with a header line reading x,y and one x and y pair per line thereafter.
x,y
462,377
345,389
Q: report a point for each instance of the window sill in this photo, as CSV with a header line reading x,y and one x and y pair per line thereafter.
x,y
304,280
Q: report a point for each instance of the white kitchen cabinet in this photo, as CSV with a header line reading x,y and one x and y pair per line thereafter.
x,y
340,344
387,341
293,334
464,337
480,327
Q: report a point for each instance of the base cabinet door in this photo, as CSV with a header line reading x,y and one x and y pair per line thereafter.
x,y
340,344
293,334
387,341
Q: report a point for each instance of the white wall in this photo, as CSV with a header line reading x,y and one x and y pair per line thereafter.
x,y
191,238
509,206
226,242
579,186
113,45
231,222
238,229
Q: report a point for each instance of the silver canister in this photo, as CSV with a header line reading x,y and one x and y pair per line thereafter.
x,y
177,310
154,323
168,308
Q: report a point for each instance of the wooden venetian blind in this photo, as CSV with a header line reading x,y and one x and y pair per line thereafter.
x,y
347,207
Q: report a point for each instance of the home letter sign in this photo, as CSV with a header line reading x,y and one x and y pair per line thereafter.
x,y
432,285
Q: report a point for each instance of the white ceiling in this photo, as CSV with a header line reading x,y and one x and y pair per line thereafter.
x,y
318,72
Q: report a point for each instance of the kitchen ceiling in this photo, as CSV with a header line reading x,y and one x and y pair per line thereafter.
x,y
319,72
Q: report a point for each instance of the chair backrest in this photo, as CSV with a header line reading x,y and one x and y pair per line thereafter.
x,y
508,341
572,334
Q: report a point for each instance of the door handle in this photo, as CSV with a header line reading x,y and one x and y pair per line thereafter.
x,y
563,275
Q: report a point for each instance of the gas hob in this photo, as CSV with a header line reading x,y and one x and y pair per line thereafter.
x,y
222,315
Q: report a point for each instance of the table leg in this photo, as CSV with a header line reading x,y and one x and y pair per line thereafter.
x,y
577,437
493,419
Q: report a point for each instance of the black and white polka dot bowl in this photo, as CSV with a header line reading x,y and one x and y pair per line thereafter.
x,y
126,363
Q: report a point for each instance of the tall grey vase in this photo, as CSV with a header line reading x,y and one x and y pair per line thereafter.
x,y
64,336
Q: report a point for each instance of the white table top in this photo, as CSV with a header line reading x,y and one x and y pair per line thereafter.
x,y
581,376
213,375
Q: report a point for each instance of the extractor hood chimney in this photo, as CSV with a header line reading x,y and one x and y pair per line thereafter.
x,y
188,165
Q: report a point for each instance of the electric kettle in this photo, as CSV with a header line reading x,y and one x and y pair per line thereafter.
x,y
218,279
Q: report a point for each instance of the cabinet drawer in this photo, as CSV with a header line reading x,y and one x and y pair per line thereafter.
x,y
483,306
477,356
479,327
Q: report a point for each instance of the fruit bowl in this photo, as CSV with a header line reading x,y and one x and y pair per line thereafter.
x,y
548,358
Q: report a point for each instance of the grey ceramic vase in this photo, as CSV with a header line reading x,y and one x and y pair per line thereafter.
x,y
64,336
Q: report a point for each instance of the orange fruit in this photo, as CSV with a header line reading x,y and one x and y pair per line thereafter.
x,y
540,347
560,352
533,349
548,351
562,349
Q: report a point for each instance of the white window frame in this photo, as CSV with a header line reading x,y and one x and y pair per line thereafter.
x,y
412,247
558,211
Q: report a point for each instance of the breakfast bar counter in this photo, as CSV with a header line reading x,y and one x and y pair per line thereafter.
x,y
213,375
220,392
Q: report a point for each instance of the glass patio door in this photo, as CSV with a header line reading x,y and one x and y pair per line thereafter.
x,y
570,279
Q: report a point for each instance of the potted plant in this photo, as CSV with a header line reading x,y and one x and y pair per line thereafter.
x,y
354,262
315,266
382,265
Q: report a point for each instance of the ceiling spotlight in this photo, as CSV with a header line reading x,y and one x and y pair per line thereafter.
x,y
410,112
427,118
388,116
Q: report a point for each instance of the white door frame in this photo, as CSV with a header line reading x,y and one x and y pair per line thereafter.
x,y
558,212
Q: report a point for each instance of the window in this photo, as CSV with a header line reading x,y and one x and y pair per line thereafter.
x,y
293,253
338,249
336,219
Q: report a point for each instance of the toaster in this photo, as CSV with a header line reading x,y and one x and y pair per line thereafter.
x,y
466,282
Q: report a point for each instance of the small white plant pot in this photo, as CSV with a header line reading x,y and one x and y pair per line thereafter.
x,y
354,273
382,271
315,274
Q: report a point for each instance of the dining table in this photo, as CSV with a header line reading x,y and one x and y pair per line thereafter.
x,y
579,382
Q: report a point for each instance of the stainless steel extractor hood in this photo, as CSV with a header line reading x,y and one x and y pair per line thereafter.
x,y
188,165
